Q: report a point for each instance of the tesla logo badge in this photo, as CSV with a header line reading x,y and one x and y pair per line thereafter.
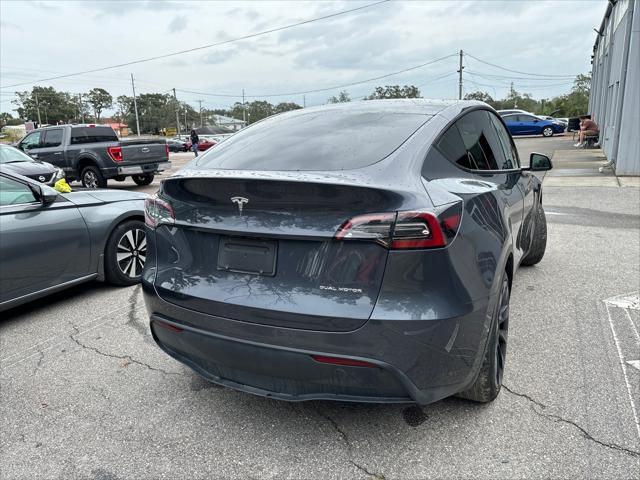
x,y
240,201
145,149
41,178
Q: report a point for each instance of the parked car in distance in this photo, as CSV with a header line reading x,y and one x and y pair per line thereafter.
x,y
52,241
93,154
175,145
502,113
528,124
203,144
362,251
19,162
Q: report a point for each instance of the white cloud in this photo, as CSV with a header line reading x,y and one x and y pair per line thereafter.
x,y
547,37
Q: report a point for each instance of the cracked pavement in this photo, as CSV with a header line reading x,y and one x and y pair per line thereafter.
x,y
85,393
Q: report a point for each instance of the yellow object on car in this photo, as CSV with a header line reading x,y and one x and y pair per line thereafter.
x,y
62,186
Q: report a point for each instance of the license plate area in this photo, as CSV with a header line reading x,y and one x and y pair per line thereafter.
x,y
247,255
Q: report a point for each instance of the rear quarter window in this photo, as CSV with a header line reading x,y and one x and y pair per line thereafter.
x,y
318,140
80,135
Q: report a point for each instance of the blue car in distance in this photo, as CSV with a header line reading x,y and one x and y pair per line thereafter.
x,y
528,124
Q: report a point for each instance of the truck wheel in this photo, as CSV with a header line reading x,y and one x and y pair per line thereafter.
x,y
143,179
125,253
91,177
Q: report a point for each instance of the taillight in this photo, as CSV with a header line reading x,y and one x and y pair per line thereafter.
x,y
166,149
115,153
375,227
157,211
405,230
417,230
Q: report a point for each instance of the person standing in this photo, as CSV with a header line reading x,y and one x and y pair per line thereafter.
x,y
194,141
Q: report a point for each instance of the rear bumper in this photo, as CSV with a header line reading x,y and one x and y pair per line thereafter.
x,y
144,168
418,361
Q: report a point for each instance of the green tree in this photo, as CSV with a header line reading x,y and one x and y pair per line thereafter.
x,y
342,97
395,91
481,96
285,107
7,119
53,106
99,99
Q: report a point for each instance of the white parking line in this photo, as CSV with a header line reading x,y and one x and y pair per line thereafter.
x,y
624,369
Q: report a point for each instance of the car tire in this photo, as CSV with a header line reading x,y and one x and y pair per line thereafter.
x,y
547,132
125,253
91,177
489,381
539,240
145,179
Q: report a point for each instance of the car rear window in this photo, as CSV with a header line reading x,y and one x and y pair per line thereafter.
x,y
318,140
92,135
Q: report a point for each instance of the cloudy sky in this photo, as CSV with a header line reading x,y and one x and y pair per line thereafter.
x,y
40,39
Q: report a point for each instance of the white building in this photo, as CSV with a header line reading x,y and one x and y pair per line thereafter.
x,y
614,102
229,122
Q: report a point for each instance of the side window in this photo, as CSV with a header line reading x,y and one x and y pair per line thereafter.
x,y
509,149
452,148
511,118
14,193
31,141
480,139
81,135
52,138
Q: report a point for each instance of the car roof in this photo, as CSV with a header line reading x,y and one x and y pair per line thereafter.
x,y
419,106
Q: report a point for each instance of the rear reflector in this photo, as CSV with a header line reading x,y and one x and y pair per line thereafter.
x,y
347,362
115,153
168,326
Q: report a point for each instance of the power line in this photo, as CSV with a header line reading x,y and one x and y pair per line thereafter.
x,y
517,71
203,47
318,90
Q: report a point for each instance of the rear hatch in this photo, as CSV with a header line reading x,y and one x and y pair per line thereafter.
x,y
143,150
261,248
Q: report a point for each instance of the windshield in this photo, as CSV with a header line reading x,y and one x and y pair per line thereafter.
x,y
12,155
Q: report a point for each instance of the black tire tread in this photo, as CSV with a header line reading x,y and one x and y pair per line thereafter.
x,y
539,240
144,179
484,389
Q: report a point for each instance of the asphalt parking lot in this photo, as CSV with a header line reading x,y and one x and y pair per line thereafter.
x,y
85,393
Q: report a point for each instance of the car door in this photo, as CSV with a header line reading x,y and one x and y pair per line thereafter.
x,y
42,245
526,182
530,125
51,149
513,123
31,143
490,164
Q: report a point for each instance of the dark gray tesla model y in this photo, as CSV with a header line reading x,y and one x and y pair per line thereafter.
x,y
361,251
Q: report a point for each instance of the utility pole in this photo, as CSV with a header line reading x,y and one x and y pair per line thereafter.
x,y
135,107
178,113
38,108
80,109
304,101
513,94
186,127
460,76
244,110
200,102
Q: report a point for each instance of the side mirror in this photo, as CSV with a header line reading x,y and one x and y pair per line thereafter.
x,y
539,163
536,121
46,194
